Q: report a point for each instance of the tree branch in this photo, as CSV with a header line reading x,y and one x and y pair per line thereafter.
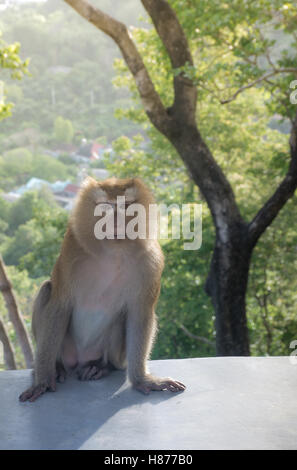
x,y
152,103
284,192
176,44
258,80
192,336
178,124
7,348
15,316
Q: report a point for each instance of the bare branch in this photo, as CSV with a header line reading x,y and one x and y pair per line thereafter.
x,y
258,80
119,33
284,192
7,347
15,316
192,336
176,44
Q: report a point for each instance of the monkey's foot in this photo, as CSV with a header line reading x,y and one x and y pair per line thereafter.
x,y
94,370
61,373
154,383
36,391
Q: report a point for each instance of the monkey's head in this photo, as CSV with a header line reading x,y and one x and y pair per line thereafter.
x,y
111,211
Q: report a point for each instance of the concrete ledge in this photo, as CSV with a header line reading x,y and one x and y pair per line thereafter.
x,y
230,403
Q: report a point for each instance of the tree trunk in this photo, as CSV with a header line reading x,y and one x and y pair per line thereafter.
x,y
226,285
235,239
15,316
228,276
7,348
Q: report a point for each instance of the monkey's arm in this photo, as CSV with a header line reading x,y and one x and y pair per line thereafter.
x,y
50,319
141,328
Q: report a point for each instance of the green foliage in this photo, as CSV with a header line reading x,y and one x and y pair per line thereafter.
x,y
50,169
35,227
66,159
233,44
23,242
50,224
4,209
22,210
272,298
63,130
183,301
65,81
97,164
17,166
10,60
71,72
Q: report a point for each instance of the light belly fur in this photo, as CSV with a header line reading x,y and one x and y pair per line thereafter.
x,y
100,300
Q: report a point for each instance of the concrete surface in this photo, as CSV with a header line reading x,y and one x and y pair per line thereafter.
x,y
230,403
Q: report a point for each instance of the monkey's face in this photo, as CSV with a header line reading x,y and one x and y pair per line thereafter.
x,y
113,200
113,210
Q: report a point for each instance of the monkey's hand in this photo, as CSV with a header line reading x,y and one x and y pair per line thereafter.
x,y
36,391
149,383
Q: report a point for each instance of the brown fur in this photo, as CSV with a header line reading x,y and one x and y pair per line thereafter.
x,y
96,312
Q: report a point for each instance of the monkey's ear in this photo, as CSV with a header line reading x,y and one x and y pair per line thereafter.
x,y
88,181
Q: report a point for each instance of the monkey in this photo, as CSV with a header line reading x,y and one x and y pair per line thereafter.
x,y
96,313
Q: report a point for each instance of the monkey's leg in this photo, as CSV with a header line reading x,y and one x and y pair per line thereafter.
x,y
94,370
141,327
60,372
50,321
116,347
113,355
